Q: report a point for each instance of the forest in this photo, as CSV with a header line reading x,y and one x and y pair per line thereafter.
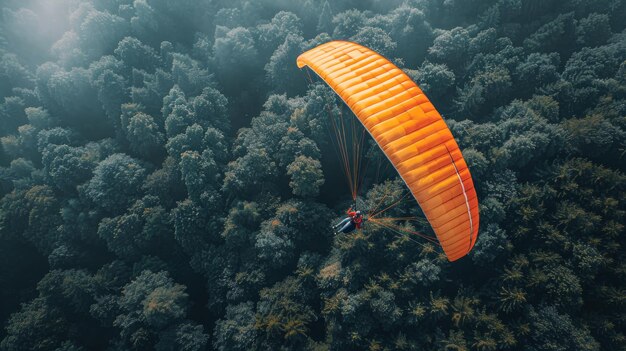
x,y
168,180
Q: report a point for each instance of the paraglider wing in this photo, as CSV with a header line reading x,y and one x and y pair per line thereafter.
x,y
411,133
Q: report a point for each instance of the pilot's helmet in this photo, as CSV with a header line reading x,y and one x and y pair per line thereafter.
x,y
358,213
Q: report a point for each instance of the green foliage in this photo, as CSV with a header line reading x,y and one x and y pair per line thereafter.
x,y
190,225
116,182
554,331
536,70
271,35
553,35
247,173
149,303
436,79
36,327
144,136
593,30
450,46
67,166
306,176
168,179
284,314
184,337
235,53
145,228
348,23
135,54
33,214
324,23
281,72
376,39
237,330
71,288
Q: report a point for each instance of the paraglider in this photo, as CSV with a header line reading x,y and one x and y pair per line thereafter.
x,y
354,221
411,133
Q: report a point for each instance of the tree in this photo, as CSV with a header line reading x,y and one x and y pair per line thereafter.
x,y
116,183
38,117
274,244
200,175
13,74
144,136
189,74
492,245
136,54
436,80
107,76
348,23
593,135
145,22
324,23
67,167
242,220
375,39
485,42
295,144
411,30
210,107
272,34
72,96
248,173
100,32
593,30
554,331
306,176
191,226
485,91
26,36
538,70
165,183
184,337
450,47
176,112
13,116
553,35
284,315
32,213
235,52
56,136
37,326
191,140
69,346
72,290
563,286
144,229
68,51
423,272
237,330
167,175
280,71
150,303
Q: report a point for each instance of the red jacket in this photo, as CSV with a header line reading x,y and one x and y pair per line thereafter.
x,y
358,221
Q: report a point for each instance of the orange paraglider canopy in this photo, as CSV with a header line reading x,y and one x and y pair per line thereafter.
x,y
411,133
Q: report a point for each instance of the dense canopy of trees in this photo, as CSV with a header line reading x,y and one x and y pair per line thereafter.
x,y
168,179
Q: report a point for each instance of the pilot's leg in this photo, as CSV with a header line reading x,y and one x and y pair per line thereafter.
x,y
347,228
342,223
